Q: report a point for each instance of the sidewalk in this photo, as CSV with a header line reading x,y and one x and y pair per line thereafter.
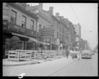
x,y
6,62
43,69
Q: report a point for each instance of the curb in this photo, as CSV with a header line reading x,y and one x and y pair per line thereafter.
x,y
21,64
32,62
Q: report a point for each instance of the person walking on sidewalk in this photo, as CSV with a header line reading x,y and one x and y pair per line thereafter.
x,y
67,51
79,55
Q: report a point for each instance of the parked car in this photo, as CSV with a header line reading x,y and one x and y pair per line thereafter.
x,y
86,54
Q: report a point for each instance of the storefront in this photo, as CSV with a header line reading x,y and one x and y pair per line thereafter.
x,y
13,42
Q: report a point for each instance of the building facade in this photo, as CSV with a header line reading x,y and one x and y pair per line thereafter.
x,y
67,30
46,26
18,26
31,27
78,35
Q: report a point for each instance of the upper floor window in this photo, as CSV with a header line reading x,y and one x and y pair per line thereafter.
x,y
32,24
23,21
13,16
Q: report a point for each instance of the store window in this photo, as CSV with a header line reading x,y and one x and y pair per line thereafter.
x,y
23,21
13,16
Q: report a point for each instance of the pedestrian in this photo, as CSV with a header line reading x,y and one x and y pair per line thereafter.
x,y
79,56
67,51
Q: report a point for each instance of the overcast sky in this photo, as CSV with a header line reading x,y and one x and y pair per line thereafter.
x,y
84,13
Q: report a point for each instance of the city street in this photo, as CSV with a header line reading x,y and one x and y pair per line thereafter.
x,y
37,39
85,67
59,67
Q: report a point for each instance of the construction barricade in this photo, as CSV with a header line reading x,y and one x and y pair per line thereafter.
x,y
18,55
13,55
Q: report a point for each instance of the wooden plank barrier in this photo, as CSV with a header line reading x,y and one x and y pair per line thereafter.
x,y
13,55
25,55
20,55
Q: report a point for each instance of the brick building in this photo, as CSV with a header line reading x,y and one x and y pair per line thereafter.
x,y
78,35
18,25
54,27
67,30
45,25
32,26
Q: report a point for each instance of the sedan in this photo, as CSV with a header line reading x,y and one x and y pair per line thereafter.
x,y
86,54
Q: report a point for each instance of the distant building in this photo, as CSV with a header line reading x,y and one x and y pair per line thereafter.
x,y
68,31
71,31
84,45
78,35
62,31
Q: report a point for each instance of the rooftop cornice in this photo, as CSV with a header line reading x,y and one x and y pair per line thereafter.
x,y
64,24
22,9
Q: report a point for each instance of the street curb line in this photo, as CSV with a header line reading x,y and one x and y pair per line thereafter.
x,y
38,62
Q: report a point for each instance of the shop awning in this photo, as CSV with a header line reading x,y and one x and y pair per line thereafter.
x,y
30,38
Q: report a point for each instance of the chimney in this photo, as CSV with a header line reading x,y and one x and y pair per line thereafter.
x,y
51,10
57,14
